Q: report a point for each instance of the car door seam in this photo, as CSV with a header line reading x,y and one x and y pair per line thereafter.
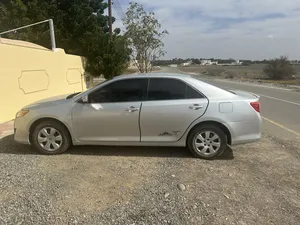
x,y
139,121
194,121
147,91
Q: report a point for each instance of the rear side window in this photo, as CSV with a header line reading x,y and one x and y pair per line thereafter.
x,y
170,89
192,93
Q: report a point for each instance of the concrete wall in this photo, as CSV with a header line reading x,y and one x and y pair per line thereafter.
x,y
29,72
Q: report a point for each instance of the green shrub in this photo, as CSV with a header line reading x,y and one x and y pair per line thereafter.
x,y
279,68
230,75
215,71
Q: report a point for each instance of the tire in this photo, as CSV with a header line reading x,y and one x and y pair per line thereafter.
x,y
207,147
51,132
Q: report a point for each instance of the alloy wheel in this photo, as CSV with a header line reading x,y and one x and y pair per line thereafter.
x,y
207,143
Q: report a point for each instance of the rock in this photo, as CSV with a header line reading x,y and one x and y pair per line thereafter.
x,y
173,175
181,187
167,195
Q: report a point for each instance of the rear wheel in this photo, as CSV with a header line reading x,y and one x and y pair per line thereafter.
x,y
207,141
51,137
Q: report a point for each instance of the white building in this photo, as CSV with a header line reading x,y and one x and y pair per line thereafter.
x,y
237,62
173,65
208,62
205,62
187,63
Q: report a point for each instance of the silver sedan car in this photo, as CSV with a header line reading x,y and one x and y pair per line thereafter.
x,y
143,110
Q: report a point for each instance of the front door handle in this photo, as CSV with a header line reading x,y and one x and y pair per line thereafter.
x,y
132,109
196,107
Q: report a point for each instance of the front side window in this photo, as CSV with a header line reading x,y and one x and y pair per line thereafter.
x,y
170,89
129,90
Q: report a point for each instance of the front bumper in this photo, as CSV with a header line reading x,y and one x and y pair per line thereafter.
x,y
21,131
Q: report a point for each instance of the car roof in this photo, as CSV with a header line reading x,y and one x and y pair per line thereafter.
x,y
151,75
207,89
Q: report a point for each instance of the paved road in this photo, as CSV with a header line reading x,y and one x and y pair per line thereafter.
x,y
280,108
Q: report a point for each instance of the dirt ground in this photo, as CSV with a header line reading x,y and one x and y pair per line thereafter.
x,y
257,183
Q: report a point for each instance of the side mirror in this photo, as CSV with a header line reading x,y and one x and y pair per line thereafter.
x,y
85,99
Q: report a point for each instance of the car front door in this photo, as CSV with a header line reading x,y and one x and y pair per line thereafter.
x,y
112,112
170,108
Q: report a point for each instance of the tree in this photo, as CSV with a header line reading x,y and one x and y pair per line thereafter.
x,y
145,35
74,21
81,28
279,68
196,61
107,57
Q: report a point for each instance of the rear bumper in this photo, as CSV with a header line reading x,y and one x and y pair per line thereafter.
x,y
246,139
21,132
246,132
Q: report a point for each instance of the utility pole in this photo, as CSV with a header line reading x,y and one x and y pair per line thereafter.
x,y
110,19
52,35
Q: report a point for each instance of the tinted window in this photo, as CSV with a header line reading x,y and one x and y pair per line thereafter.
x,y
192,93
130,90
170,89
166,89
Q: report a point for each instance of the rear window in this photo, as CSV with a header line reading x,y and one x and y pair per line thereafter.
x,y
192,93
224,89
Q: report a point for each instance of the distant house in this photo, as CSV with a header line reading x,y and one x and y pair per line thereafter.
x,y
208,62
205,62
187,63
237,62
173,65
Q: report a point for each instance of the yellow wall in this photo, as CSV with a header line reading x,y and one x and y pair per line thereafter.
x,y
30,72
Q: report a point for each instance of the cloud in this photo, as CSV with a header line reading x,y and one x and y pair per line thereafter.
x,y
239,29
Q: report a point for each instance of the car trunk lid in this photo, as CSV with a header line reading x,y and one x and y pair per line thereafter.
x,y
245,94
251,98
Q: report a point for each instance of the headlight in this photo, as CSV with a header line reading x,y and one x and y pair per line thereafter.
x,y
22,113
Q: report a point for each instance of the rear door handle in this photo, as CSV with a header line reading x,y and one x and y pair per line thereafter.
x,y
196,107
132,109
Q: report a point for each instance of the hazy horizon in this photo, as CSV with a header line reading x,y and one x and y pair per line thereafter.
x,y
239,29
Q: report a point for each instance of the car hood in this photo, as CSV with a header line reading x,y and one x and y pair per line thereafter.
x,y
59,99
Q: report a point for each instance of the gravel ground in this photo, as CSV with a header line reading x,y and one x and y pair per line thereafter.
x,y
252,184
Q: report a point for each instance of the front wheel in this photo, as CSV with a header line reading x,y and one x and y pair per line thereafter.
x,y
51,137
207,141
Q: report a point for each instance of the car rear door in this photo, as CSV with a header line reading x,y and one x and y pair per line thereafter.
x,y
112,113
171,106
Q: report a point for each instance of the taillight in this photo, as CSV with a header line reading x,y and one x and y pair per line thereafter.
x,y
256,106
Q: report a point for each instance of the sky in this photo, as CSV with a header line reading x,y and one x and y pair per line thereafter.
x,y
239,29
